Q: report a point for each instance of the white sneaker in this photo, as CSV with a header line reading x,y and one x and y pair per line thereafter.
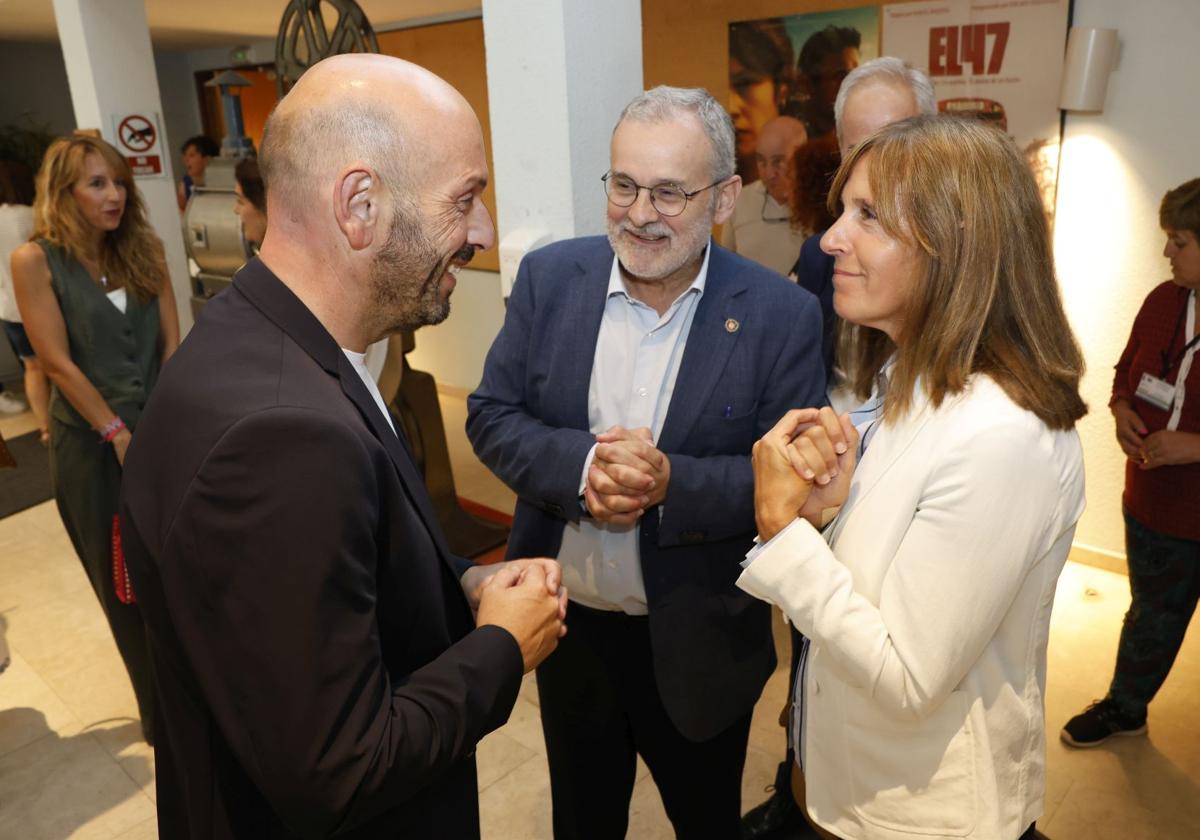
x,y
11,405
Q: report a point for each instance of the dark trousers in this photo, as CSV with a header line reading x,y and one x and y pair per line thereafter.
x,y
87,485
1164,579
600,710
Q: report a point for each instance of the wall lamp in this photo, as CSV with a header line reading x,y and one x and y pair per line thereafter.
x,y
1091,56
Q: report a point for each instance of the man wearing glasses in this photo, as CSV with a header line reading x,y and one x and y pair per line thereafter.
x,y
620,401
761,225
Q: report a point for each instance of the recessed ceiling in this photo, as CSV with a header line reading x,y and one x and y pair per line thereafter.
x,y
191,24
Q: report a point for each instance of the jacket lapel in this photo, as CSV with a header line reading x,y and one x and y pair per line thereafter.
x,y
580,324
887,445
289,313
711,340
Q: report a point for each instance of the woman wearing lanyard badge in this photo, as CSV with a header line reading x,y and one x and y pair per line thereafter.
x,y
1156,404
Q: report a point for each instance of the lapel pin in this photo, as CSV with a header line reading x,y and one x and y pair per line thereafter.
x,y
731,325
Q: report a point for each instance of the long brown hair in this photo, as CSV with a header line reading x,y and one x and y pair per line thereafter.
x,y
988,300
132,255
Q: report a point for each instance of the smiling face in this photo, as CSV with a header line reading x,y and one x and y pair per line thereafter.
x,y
653,247
413,274
99,195
875,274
1183,251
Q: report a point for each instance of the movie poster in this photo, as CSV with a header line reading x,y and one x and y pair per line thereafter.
x,y
998,59
793,66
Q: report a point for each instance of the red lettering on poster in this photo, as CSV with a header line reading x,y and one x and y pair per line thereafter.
x,y
951,47
937,51
1000,30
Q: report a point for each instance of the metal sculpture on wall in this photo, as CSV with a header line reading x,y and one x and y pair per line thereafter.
x,y
305,38
215,243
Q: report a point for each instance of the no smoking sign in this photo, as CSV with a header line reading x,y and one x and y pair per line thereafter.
x,y
138,138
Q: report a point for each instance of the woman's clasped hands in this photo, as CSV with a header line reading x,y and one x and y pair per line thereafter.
x,y
802,468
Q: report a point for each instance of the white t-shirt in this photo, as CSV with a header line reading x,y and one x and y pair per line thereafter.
x,y
359,361
16,226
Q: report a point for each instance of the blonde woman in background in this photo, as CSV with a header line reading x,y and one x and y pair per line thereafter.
x,y
97,303
926,600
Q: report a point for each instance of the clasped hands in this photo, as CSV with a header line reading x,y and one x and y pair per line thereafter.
x,y
1150,450
628,475
802,468
525,597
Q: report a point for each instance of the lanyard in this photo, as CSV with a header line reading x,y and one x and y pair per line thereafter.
x,y
1164,355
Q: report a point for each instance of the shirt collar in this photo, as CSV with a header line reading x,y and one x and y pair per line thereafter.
x,y
616,283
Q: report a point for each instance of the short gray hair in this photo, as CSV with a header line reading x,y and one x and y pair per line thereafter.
x,y
664,103
886,69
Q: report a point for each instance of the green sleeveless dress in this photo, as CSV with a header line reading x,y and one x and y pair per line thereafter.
x,y
120,354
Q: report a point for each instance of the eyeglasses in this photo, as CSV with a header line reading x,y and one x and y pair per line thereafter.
x,y
667,199
771,220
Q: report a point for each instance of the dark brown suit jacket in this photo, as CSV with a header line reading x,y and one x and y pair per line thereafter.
x,y
318,668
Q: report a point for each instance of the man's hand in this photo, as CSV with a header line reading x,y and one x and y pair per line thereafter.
x,y
1130,430
476,578
519,601
1166,448
627,476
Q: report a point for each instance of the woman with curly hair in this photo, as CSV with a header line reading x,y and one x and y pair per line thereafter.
x,y
97,303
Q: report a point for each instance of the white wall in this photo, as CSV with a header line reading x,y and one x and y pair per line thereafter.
x,y
1116,165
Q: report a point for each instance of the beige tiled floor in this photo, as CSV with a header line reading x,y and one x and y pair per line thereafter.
x,y
72,764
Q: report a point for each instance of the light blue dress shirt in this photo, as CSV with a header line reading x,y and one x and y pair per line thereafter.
x,y
636,363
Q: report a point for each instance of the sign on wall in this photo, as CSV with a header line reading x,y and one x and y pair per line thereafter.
x,y
139,139
792,66
1000,60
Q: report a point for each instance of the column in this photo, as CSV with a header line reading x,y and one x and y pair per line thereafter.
x,y
559,73
110,69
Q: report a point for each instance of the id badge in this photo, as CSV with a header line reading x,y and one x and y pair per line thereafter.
x,y
1158,392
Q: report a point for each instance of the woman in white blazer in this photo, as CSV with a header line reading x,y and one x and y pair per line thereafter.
x,y
926,599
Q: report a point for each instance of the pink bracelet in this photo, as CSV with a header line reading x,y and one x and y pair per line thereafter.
x,y
111,429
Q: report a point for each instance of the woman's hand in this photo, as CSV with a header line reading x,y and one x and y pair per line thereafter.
x,y
798,454
829,449
1166,448
1130,429
120,444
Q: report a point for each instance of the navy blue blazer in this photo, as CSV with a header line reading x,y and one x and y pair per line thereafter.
x,y
814,272
753,353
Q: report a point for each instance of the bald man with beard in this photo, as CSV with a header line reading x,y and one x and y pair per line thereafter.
x,y
325,666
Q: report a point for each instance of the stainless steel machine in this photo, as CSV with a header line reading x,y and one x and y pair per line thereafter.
x,y
213,233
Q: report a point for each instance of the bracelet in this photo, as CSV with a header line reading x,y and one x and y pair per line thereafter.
x,y
111,429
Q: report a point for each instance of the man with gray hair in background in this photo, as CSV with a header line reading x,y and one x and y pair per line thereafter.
x,y
882,91
761,225
875,94
620,401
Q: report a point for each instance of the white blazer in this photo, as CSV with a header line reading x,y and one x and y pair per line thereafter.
x,y
928,612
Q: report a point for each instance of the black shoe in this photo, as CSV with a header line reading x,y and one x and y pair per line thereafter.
x,y
1099,722
778,818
